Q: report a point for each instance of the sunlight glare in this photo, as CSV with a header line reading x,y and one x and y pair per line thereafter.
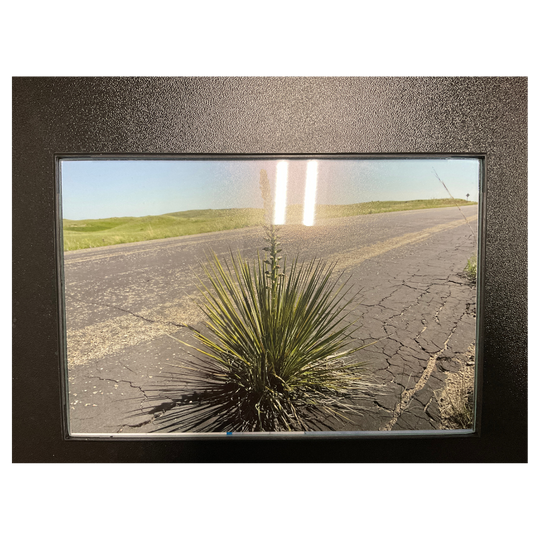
x,y
310,193
280,205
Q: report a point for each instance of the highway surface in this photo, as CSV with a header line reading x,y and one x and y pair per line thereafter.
x,y
123,302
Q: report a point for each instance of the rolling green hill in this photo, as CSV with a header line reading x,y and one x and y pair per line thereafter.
x,y
81,234
105,232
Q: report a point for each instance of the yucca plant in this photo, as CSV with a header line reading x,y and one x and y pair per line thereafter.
x,y
276,350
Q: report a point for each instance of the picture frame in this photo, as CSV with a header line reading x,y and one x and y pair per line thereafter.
x,y
269,116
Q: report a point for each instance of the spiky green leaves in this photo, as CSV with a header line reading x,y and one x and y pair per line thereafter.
x,y
270,358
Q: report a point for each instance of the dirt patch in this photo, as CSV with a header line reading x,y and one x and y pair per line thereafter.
x,y
456,398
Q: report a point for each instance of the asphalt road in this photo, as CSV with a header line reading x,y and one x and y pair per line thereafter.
x,y
122,301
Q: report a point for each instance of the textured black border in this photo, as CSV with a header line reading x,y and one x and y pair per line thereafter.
x,y
91,116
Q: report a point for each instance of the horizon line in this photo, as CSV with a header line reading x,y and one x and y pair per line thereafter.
x,y
260,208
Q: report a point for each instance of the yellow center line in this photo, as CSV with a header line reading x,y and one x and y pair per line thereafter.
x,y
355,256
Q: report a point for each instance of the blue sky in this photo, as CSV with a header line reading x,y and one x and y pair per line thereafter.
x,y
93,189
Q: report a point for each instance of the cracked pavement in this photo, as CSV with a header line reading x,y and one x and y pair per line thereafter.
x,y
124,302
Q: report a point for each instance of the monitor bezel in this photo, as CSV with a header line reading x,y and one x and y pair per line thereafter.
x,y
52,118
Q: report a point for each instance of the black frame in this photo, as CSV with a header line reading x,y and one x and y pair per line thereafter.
x,y
209,116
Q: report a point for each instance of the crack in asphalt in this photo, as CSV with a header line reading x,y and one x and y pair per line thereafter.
x,y
393,322
141,407
103,304
407,395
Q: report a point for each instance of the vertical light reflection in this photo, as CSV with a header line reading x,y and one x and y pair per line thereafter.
x,y
310,193
280,205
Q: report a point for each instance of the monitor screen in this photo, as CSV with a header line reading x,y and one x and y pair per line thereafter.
x,y
270,295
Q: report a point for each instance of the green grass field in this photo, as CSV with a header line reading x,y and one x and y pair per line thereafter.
x,y
87,233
